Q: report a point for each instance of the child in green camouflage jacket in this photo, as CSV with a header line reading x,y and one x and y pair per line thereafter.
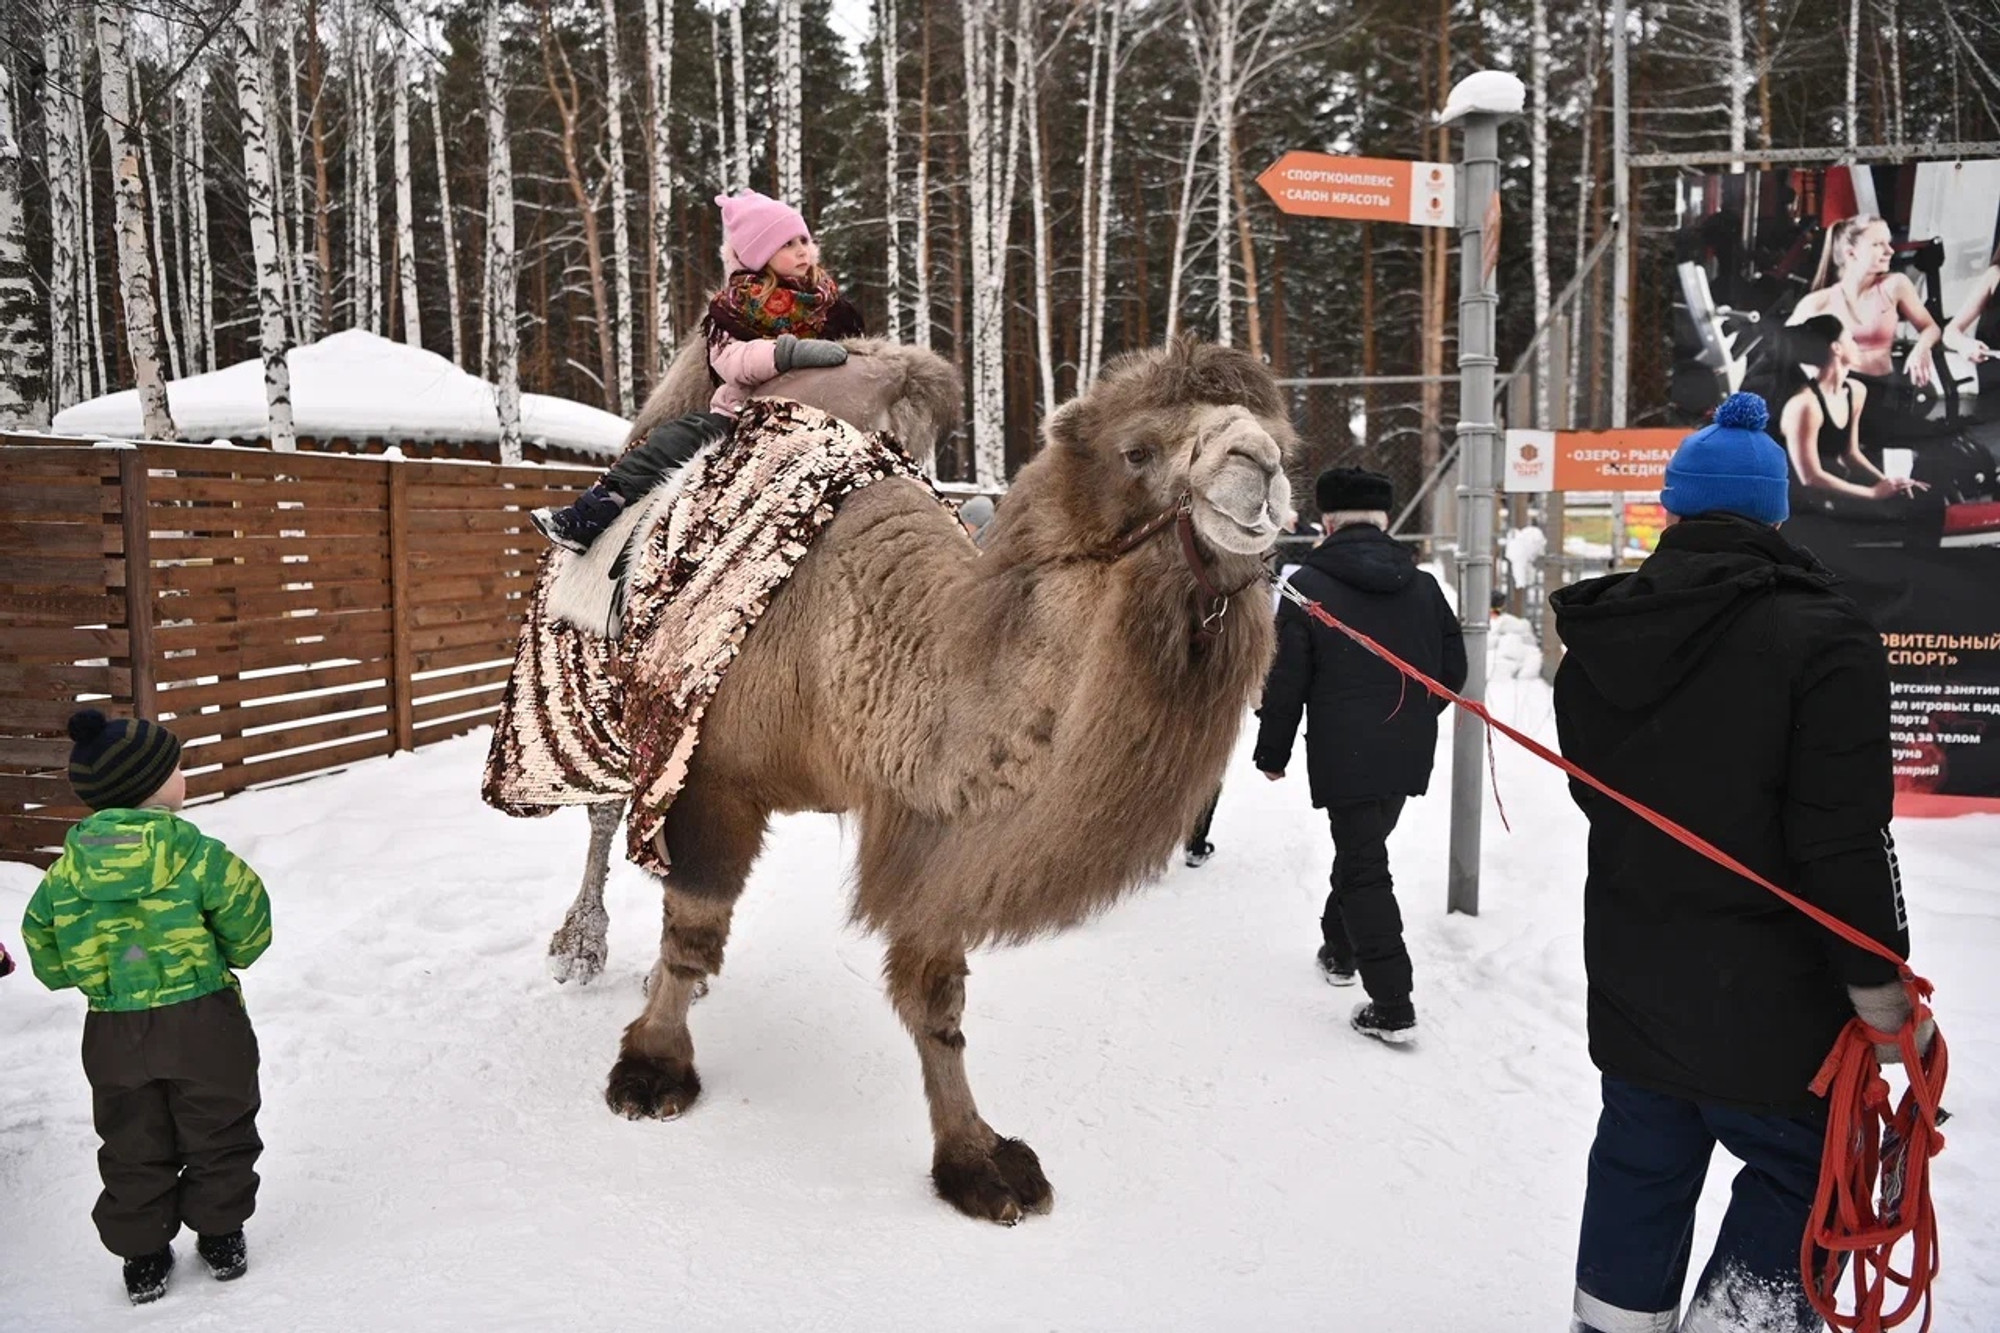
x,y
147,916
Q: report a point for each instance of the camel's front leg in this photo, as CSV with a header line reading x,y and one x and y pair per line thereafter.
x,y
976,1170
577,950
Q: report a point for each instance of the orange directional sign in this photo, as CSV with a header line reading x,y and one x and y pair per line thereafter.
x,y
1373,189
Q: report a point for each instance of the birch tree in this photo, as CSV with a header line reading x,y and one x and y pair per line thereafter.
x,y
135,277
1184,214
725,160
788,89
322,193
305,279
500,237
920,315
992,171
158,236
568,98
371,177
406,221
887,37
201,267
1030,93
24,355
455,310
1230,48
65,169
1099,225
254,104
660,74
739,170
619,390
1739,79
1853,38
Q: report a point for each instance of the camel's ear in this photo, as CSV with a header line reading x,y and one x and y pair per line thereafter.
x,y
1064,429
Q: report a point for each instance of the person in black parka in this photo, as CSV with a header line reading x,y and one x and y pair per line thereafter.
x,y
1728,685
1370,735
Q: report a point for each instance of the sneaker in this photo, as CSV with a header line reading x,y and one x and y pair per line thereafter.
x,y
146,1276
575,526
1199,852
1337,971
1395,1024
227,1256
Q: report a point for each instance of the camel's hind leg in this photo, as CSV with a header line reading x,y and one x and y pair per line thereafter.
x,y
976,1170
577,950
713,838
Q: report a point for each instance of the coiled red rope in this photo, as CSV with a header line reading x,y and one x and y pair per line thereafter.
x,y
1874,1180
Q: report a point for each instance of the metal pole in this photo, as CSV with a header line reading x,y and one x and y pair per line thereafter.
x,y
1479,445
1621,181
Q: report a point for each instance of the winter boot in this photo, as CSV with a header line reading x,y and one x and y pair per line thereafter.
x,y
1198,852
582,521
1385,1020
146,1276
1338,971
227,1256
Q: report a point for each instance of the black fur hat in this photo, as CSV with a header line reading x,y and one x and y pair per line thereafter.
x,y
1345,490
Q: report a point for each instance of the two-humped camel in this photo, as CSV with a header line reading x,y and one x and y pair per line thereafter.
x,y
1023,733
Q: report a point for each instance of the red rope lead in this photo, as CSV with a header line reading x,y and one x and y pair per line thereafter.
x,y
1866,1143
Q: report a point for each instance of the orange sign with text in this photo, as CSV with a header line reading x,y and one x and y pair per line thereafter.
x,y
1371,189
1589,460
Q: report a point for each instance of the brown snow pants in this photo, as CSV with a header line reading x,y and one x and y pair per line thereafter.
x,y
174,1095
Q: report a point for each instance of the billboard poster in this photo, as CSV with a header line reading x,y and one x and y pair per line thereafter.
x,y
1863,304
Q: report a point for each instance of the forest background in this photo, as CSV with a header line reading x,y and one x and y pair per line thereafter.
x,y
1028,186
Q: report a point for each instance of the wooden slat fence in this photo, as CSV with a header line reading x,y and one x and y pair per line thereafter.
x,y
287,613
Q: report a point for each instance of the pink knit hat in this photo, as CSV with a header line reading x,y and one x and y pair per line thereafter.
x,y
755,227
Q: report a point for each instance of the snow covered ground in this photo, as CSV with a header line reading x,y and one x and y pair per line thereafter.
x,y
1226,1153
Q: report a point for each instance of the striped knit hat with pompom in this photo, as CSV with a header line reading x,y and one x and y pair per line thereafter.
x,y
117,764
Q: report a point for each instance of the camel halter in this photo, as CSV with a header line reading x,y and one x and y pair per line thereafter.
x,y
1181,518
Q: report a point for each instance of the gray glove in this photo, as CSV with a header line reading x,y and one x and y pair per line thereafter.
x,y
1885,1008
804,353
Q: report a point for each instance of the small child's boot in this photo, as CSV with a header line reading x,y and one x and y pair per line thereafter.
x,y
227,1256
583,520
146,1276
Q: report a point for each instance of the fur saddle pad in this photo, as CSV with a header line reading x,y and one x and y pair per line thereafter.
x,y
588,719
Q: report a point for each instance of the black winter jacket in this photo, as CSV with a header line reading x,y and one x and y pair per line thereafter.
x,y
1728,686
1369,733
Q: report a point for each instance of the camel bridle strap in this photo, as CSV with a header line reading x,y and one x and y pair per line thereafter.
x,y
1180,517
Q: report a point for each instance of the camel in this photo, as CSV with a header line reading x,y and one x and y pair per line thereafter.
x,y
1022,734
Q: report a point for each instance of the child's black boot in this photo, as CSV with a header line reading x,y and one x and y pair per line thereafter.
x,y
227,1256
146,1276
583,520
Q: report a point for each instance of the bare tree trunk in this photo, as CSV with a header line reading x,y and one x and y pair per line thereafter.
x,y
739,174
1087,213
198,239
787,96
619,390
888,37
406,207
1895,26
1225,146
371,175
724,166
660,75
177,199
500,237
992,170
65,167
1853,39
1100,227
569,102
1253,318
322,201
24,359
90,297
175,366
1538,198
305,279
921,316
250,96
1038,185
1739,79
1183,217
134,275
453,307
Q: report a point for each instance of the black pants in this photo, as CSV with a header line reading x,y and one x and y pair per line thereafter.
x,y
1361,922
174,1095
666,448
1197,837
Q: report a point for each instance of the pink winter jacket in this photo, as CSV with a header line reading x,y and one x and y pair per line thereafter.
x,y
744,368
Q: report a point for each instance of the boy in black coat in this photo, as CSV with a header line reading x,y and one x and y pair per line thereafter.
x,y
1370,735
1726,684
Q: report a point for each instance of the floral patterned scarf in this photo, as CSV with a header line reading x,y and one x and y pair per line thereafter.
x,y
748,308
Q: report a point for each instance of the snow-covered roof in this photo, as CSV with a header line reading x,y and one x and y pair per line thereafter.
x,y
355,385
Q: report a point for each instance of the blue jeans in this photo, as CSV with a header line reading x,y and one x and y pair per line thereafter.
x,y
1646,1172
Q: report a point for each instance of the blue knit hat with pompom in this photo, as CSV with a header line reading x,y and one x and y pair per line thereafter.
x,y
1730,467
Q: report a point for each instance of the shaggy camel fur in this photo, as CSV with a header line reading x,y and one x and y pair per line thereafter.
x,y
1023,734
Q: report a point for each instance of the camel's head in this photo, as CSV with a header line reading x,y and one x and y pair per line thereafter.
x,y
1189,417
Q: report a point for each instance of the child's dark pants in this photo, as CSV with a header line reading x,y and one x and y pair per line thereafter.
x,y
174,1095
666,448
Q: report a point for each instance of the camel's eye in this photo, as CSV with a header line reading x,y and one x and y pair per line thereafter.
x,y
1138,455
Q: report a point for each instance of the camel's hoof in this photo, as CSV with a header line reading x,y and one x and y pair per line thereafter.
x,y
575,956
643,1088
1000,1185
